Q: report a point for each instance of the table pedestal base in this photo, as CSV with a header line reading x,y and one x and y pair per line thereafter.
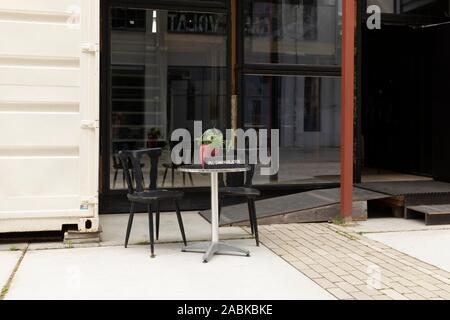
x,y
212,248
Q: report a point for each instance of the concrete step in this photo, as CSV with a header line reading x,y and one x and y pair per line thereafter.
x,y
76,237
434,214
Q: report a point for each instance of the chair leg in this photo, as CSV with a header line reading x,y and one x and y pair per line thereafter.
x,y
190,178
220,208
173,177
180,222
165,177
151,231
124,179
116,174
255,220
158,217
130,224
250,214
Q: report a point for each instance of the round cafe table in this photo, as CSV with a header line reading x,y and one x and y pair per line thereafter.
x,y
215,246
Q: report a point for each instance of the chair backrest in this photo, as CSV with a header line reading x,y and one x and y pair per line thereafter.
x,y
134,159
242,179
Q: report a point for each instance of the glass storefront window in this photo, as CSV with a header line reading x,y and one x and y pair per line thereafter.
x,y
418,7
306,110
292,31
168,69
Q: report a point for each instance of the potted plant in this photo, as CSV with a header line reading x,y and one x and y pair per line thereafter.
x,y
210,143
153,137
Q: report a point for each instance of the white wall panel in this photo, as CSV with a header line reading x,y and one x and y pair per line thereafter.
x,y
37,39
39,130
40,177
49,91
37,6
32,76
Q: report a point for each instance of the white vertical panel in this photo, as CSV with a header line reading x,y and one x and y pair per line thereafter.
x,y
49,112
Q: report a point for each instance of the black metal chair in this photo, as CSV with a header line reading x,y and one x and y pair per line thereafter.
x,y
151,196
241,185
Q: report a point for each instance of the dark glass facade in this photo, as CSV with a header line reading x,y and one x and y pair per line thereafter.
x,y
168,69
306,110
292,32
291,83
169,64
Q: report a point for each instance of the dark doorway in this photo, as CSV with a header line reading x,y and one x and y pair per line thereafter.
x,y
396,105
404,105
441,102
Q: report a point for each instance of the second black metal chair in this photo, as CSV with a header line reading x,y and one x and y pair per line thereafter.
x,y
138,194
241,185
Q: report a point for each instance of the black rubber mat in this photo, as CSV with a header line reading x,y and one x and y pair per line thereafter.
x,y
291,203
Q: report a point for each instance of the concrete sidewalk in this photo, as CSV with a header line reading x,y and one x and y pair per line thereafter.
x,y
108,271
377,259
412,237
117,273
8,261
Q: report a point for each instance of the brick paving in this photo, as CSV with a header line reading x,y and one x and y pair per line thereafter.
x,y
351,266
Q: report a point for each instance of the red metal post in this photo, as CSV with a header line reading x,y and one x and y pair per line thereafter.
x,y
348,92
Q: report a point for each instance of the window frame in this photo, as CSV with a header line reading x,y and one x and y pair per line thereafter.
x,y
273,69
283,68
270,68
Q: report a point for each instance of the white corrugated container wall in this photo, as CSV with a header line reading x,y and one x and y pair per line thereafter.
x,y
49,114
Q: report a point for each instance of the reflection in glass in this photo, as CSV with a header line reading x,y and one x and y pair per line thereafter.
x,y
306,110
292,31
168,69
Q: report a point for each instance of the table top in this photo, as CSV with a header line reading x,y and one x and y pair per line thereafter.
x,y
199,169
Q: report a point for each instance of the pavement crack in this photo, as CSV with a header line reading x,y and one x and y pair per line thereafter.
x,y
6,287
349,235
